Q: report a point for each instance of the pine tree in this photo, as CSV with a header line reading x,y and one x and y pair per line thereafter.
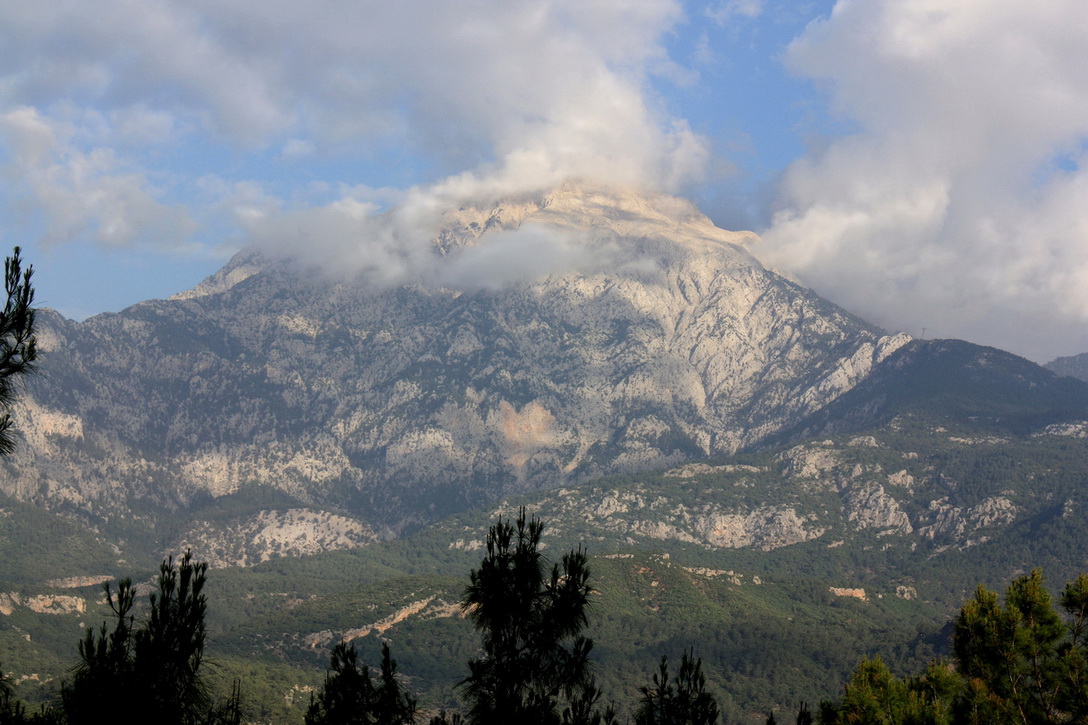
x,y
1016,662
18,344
873,695
535,667
682,700
12,711
350,697
1009,654
153,667
105,670
1072,696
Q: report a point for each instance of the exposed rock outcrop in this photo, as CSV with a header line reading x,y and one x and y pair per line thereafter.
x,y
270,534
663,340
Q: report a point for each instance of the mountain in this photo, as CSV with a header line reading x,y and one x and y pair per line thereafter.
x,y
1075,366
756,472
955,383
782,567
359,412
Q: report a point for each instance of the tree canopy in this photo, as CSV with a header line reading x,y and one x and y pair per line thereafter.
x,y
1017,663
18,343
530,613
350,696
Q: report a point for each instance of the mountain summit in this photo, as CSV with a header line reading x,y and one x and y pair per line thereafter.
x,y
558,337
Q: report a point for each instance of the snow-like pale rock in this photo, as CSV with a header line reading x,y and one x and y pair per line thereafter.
x,y
662,341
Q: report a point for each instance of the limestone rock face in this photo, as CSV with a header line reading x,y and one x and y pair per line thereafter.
x,y
269,534
664,340
865,493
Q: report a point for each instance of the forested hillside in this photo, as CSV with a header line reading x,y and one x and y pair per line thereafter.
x,y
782,567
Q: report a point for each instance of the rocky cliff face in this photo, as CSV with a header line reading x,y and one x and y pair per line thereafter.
x,y
663,341
919,493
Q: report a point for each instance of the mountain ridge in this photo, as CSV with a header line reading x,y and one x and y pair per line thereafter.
x,y
747,461
401,404
1074,366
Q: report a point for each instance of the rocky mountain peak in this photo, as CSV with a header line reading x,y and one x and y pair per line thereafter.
x,y
658,340
599,213
597,227
1074,366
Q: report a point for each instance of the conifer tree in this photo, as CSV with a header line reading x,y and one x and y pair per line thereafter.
x,y
1016,663
1010,654
18,344
12,711
154,667
350,697
682,700
535,668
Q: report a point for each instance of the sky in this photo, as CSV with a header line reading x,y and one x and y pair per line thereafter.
x,y
923,163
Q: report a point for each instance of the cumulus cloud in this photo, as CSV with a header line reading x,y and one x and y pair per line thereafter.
x,y
348,237
490,97
959,202
528,88
81,194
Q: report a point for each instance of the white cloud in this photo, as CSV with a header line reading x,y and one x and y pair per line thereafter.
x,y
140,127
495,96
387,240
557,86
83,193
297,148
522,255
946,208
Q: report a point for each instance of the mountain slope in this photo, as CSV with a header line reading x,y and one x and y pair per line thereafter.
x,y
952,382
782,566
661,340
1074,366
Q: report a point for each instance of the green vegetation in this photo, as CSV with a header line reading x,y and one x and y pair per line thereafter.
x,y
769,631
1018,663
535,623
34,541
682,699
535,664
153,667
349,697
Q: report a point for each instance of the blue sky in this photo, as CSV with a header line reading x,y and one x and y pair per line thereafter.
x,y
918,161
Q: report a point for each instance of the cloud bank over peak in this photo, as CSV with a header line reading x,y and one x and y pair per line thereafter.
x,y
937,180
959,202
520,93
189,128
